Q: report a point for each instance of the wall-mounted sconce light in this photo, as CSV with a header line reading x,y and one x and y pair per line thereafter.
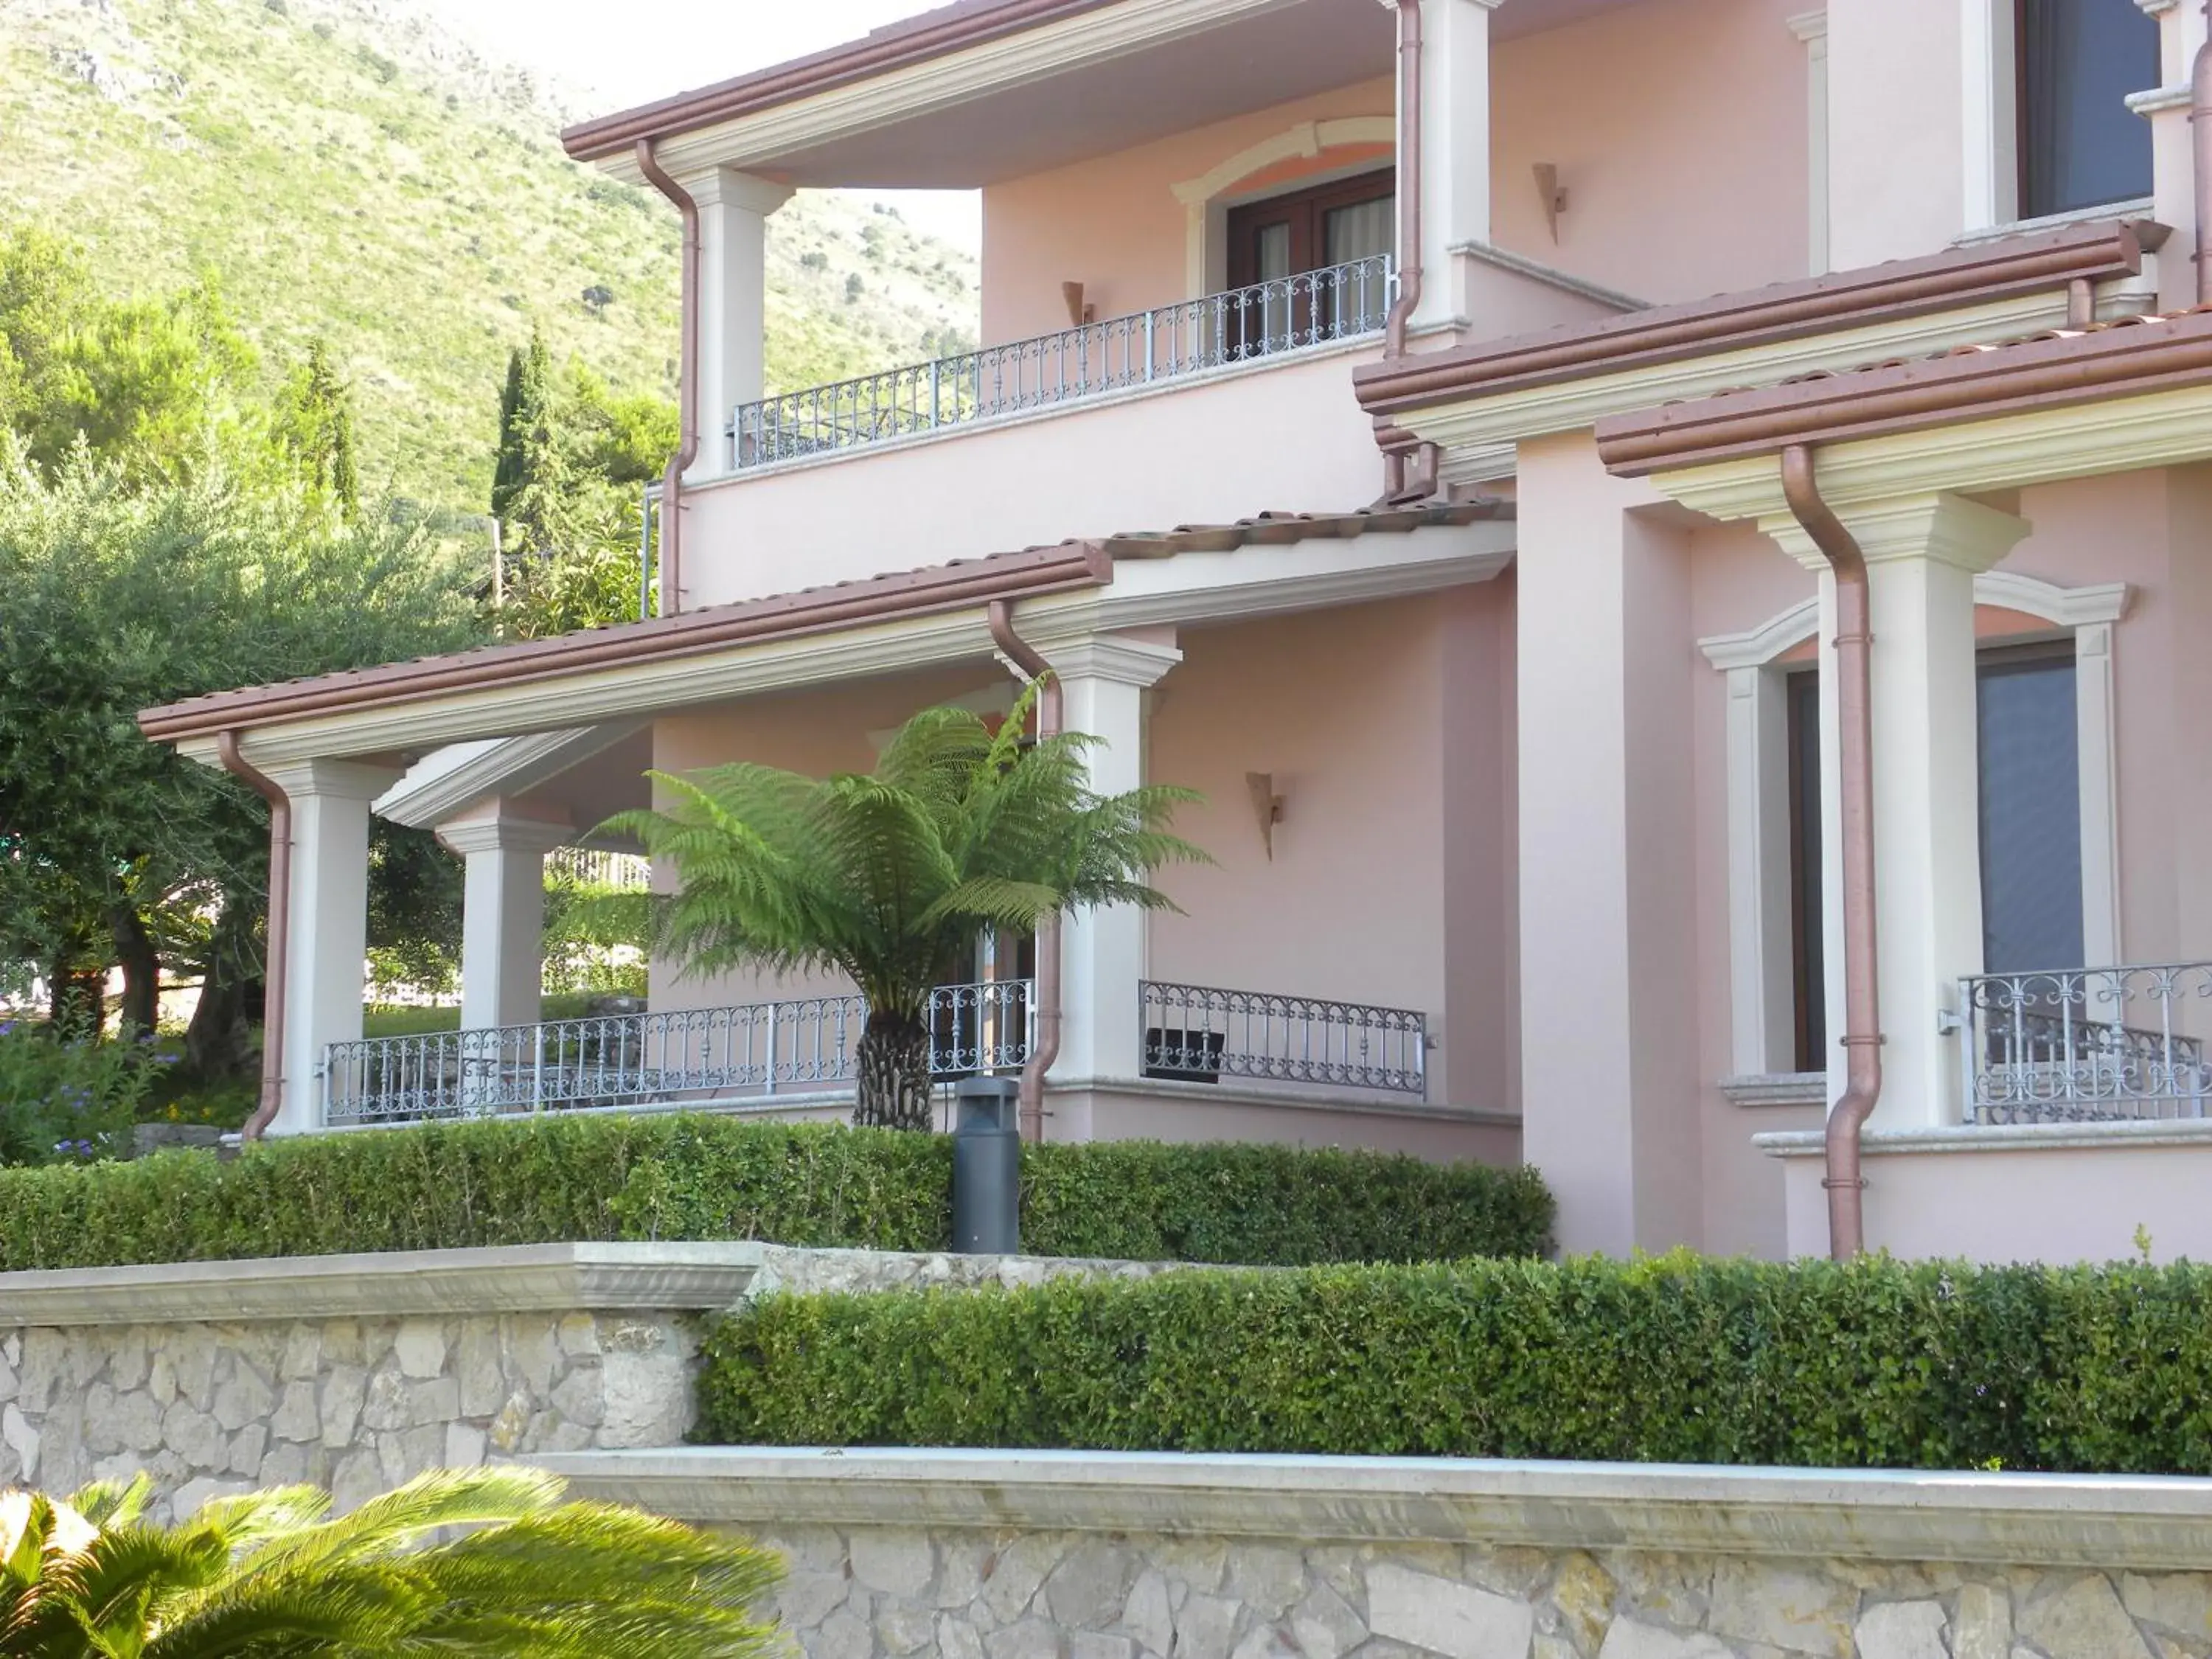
x,y
1554,194
1077,313
1267,806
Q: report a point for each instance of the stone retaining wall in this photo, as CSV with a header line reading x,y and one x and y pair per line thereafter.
x,y
355,1405
360,1372
857,1594
898,1553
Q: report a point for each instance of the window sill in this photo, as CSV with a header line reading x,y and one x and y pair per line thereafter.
x,y
2134,208
1776,1089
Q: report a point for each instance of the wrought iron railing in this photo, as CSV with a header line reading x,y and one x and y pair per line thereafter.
x,y
1200,1034
695,1054
590,866
2083,1045
1342,302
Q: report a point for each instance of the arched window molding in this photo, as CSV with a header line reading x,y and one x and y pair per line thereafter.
x,y
1761,992
1207,197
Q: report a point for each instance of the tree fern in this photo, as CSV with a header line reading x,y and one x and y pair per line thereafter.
x,y
884,877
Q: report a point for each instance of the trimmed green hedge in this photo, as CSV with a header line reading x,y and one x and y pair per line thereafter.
x,y
1680,1359
696,1178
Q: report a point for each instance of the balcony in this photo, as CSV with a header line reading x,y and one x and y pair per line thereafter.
x,y
2088,1045
803,1048
1205,411
1340,303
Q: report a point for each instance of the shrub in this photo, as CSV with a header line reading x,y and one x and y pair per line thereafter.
x,y
66,1100
1680,1359
449,1186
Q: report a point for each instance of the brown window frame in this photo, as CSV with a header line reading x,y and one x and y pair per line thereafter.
x,y
1306,211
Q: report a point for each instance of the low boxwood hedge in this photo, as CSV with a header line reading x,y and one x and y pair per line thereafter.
x,y
1680,1359
698,1178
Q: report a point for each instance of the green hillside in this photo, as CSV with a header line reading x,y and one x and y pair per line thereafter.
x,y
342,168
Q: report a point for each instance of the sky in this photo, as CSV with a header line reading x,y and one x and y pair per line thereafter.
x,y
642,50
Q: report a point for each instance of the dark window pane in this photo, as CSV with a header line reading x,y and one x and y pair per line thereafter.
x,y
1807,958
2030,804
2080,143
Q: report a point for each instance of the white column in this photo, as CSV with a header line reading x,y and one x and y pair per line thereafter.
x,y
329,932
1454,150
1922,553
2173,165
734,210
1812,28
503,911
1611,1083
1105,681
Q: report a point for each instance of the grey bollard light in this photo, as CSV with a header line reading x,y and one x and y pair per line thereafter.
x,y
986,1167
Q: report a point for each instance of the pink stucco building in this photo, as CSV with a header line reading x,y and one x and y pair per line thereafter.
x,y
1457,436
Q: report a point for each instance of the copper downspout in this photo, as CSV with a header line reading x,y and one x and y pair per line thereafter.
x,y
2200,139
1862,975
2081,302
1019,652
280,928
687,385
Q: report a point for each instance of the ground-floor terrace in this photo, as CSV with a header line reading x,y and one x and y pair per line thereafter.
x,y
1514,855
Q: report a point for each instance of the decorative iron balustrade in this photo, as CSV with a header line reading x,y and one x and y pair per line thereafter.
x,y
2089,1044
1200,1034
590,866
1342,302
693,1054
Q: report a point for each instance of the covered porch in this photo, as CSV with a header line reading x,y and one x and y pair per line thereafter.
x,y
1300,672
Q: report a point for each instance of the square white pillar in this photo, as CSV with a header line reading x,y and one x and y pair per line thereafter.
x,y
1611,1082
1105,681
1922,553
328,944
503,911
2173,163
1454,152
733,212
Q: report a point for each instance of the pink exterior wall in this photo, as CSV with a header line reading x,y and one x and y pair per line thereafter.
x,y
1385,729
2021,1203
819,732
1896,142
1113,223
1678,128
1283,436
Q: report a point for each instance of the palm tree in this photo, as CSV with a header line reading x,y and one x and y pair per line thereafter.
x,y
267,1575
886,877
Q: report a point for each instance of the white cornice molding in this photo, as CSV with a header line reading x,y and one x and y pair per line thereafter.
x,y
2143,1523
303,776
1808,26
1187,588
2063,607
1764,1089
2131,1135
2008,590
504,832
1479,433
1489,254
1755,647
521,1278
1938,524
1103,657
724,186
2157,99
2118,434
508,766
1304,141
767,137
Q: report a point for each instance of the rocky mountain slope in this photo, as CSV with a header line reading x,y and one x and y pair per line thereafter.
x,y
348,169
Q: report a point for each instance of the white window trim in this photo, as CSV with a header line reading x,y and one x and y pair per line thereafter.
x,y
1812,28
1989,114
1761,994
1206,199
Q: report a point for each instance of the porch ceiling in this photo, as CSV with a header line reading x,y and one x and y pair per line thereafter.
x,y
974,94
